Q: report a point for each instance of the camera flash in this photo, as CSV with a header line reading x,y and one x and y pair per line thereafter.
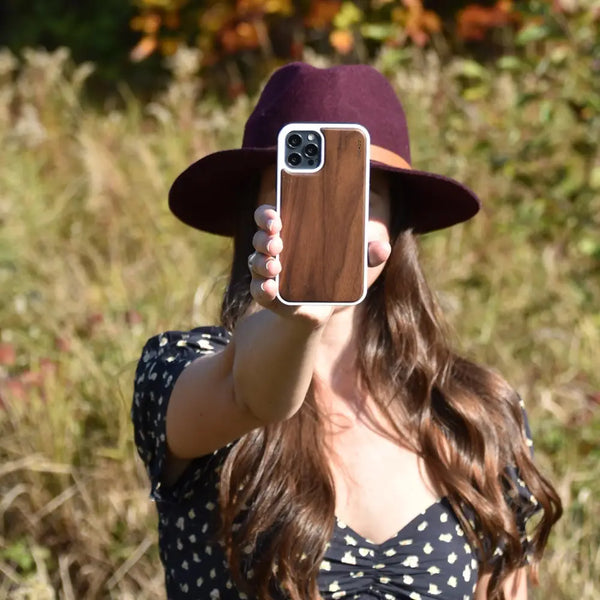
x,y
311,136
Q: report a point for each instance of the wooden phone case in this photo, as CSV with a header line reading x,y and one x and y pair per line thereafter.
x,y
324,218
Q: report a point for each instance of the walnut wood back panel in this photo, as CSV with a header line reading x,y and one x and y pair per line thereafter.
x,y
323,217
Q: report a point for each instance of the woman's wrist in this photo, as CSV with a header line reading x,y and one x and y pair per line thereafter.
x,y
273,362
305,319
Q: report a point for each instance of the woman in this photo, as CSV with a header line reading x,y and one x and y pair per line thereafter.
x,y
347,452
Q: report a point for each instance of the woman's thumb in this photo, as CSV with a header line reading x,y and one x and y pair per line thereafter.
x,y
379,252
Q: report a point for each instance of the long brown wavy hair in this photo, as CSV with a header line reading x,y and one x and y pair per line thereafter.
x,y
277,496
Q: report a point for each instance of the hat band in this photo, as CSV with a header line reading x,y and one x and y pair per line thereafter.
x,y
387,157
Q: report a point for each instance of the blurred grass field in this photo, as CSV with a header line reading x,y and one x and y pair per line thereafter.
x,y
92,264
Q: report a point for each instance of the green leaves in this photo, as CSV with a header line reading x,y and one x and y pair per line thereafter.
x,y
510,63
532,33
19,554
348,16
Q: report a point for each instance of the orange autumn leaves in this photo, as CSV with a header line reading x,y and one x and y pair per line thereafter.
x,y
238,42
228,27
474,21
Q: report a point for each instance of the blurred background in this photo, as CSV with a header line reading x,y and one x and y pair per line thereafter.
x,y
102,104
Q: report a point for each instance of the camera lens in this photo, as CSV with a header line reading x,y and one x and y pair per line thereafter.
x,y
311,150
294,159
294,140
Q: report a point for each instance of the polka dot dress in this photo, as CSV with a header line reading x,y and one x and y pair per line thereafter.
x,y
428,558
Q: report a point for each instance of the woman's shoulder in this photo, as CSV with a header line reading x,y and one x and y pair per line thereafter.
x,y
165,355
163,358
172,351
208,338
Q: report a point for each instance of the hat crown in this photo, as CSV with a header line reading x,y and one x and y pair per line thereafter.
x,y
358,94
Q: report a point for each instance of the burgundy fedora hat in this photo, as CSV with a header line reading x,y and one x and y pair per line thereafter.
x,y
210,192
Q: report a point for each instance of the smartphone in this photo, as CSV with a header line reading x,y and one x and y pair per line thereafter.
x,y
323,201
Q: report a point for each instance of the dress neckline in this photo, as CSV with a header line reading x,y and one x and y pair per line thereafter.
x,y
343,527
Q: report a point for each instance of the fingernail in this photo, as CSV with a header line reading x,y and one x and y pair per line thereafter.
x,y
270,224
271,261
262,286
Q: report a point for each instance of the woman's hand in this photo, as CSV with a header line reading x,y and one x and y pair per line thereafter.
x,y
264,263
264,266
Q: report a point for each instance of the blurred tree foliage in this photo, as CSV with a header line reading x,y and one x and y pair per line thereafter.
x,y
242,40
99,32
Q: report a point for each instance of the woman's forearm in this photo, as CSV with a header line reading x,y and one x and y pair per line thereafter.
x,y
273,363
262,376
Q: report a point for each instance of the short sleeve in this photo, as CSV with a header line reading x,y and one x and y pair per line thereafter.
x,y
163,359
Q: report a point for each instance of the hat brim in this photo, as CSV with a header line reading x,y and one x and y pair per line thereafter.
x,y
210,192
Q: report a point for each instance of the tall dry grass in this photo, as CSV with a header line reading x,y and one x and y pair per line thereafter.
x,y
92,263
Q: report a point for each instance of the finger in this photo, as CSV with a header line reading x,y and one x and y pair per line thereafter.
x,y
264,266
264,243
267,218
263,290
251,260
379,252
